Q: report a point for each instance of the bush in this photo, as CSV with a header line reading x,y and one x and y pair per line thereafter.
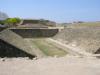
x,y
12,21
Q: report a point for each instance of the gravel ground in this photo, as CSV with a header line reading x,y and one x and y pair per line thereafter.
x,y
67,65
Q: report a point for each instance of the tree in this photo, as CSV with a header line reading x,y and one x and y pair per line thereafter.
x,y
2,22
12,21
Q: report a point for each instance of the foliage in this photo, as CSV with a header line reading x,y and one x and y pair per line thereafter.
x,y
2,22
12,21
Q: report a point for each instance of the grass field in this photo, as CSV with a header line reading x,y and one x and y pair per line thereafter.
x,y
48,48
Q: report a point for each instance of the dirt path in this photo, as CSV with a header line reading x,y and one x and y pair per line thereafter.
x,y
50,66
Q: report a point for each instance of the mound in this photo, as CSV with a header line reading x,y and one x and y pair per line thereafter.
x,y
84,38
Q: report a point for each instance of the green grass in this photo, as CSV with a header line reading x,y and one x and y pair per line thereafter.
x,y
49,49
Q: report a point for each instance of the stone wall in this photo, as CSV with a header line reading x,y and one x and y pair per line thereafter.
x,y
32,33
17,41
7,50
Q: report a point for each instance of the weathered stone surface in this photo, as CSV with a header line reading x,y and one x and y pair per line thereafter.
x,y
17,41
85,38
7,50
32,33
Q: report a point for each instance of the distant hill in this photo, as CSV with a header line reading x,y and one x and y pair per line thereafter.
x,y
85,24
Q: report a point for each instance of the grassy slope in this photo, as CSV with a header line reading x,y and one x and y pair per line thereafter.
x,y
48,48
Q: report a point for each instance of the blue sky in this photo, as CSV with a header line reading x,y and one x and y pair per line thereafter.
x,y
57,10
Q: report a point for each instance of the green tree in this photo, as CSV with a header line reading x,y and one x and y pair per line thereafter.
x,y
12,21
2,22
